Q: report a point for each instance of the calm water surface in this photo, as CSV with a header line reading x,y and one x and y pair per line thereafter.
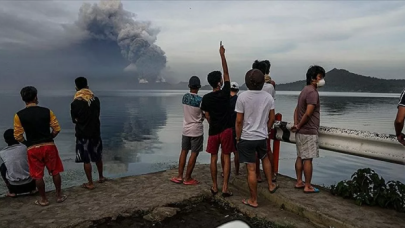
x,y
141,131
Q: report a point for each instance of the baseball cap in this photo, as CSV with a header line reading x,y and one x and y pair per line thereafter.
x,y
194,82
234,85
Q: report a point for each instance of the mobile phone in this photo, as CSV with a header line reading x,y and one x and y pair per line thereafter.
x,y
220,44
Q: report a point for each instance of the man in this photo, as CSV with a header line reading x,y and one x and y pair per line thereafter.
x,y
14,167
193,133
306,125
85,113
234,98
264,67
399,121
216,108
255,117
36,121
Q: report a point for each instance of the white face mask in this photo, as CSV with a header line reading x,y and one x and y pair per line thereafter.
x,y
320,83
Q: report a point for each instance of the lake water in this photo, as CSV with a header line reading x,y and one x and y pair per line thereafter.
x,y
141,131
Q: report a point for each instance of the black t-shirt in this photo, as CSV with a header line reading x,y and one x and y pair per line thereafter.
x,y
86,116
217,105
232,104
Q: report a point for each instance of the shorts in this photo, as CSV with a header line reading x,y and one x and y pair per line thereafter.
x,y
24,188
17,189
195,144
88,150
248,149
307,146
225,139
43,156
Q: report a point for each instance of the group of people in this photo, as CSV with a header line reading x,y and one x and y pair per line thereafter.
x,y
24,160
241,124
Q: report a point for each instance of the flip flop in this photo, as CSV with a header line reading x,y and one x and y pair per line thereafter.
x,y
191,182
246,202
213,192
34,192
86,186
227,194
175,180
37,202
310,192
61,200
259,181
275,189
102,180
11,195
300,187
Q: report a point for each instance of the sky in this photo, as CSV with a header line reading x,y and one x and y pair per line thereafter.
x,y
38,43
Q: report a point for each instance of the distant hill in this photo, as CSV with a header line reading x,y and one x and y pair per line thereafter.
x,y
340,80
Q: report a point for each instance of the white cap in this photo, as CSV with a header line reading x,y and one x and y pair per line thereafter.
x,y
234,85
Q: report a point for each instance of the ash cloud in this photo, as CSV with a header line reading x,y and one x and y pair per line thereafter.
x,y
109,22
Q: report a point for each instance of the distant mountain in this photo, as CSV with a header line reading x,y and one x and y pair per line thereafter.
x,y
340,80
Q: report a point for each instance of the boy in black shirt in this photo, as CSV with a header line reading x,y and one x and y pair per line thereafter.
x,y
85,113
216,108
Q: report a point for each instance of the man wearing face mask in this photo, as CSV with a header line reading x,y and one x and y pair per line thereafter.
x,y
306,125
215,106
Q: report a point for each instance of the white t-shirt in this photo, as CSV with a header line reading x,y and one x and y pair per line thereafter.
x,y
193,116
256,106
270,89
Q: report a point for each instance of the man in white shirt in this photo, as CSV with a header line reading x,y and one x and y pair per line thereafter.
x,y
255,117
14,167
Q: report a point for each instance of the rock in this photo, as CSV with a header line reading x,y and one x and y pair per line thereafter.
x,y
161,213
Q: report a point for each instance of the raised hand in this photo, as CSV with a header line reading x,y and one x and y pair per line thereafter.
x,y
221,49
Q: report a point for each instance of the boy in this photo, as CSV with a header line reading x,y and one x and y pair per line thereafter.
x,y
193,133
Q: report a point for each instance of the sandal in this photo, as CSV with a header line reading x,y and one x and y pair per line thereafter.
x,y
191,182
176,180
275,189
315,190
87,186
37,202
102,180
213,192
246,202
62,199
227,194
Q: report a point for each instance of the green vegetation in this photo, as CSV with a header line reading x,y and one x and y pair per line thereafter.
x,y
367,187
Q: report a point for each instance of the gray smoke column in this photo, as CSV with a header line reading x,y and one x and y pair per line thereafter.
x,y
108,21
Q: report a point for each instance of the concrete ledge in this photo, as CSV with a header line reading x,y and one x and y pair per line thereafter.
x,y
324,209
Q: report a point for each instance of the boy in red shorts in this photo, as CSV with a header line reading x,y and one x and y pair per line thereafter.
x,y
216,108
36,121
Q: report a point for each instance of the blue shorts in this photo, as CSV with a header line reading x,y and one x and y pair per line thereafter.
x,y
88,150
